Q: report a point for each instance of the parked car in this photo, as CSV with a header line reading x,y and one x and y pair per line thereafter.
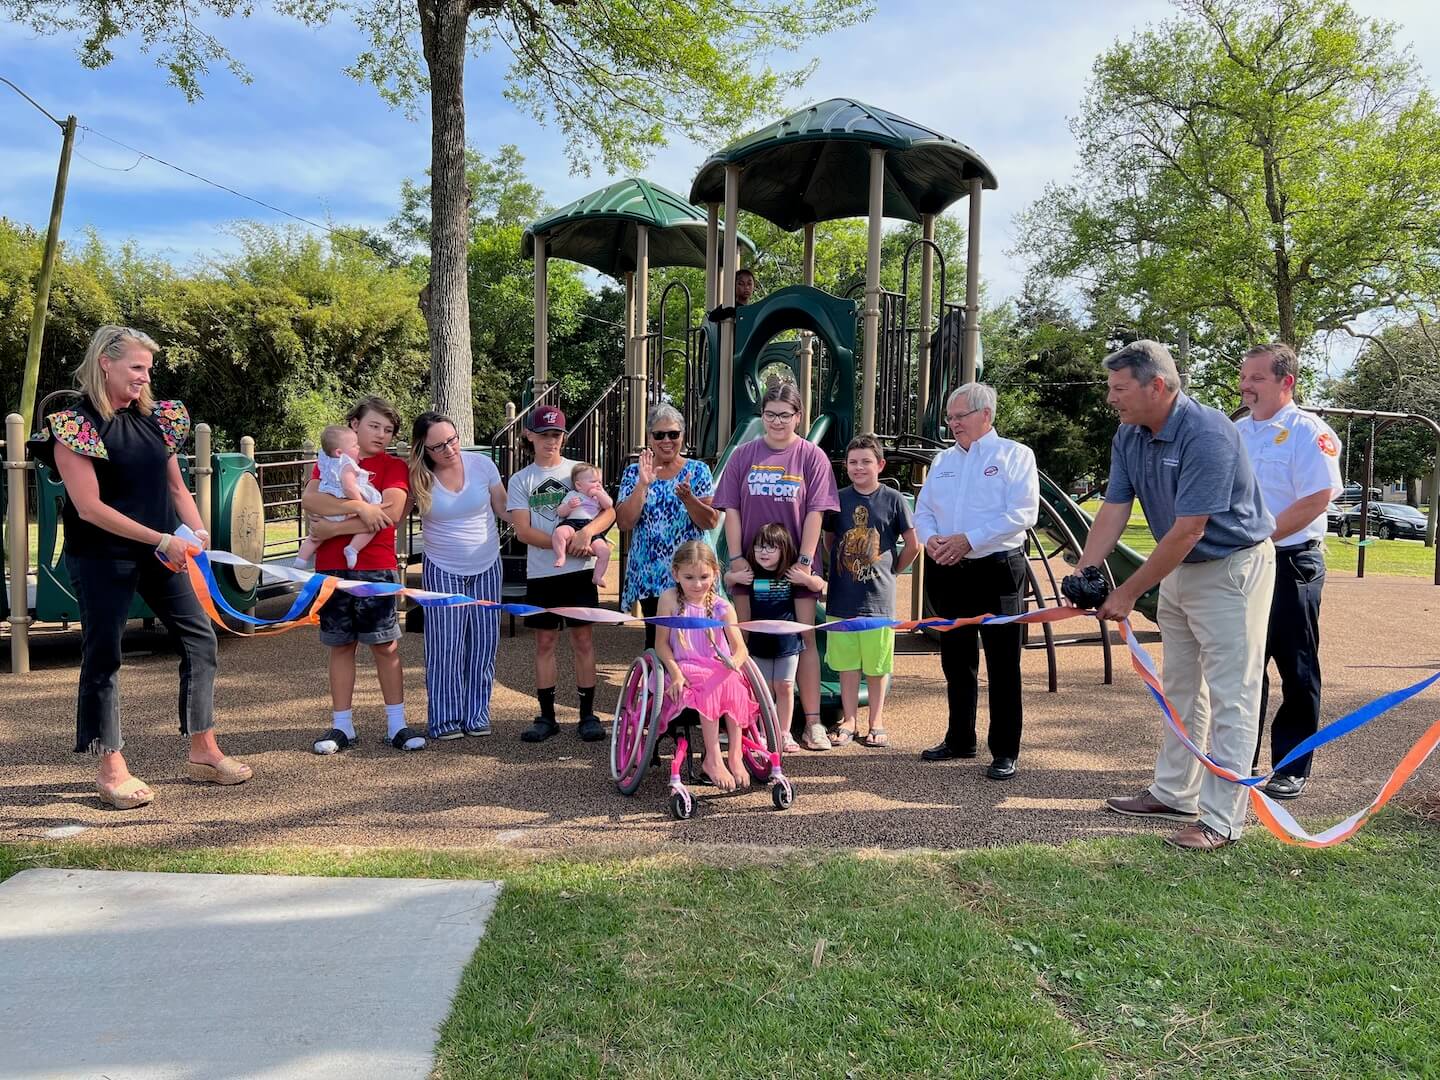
x,y
1388,521
1334,515
1351,495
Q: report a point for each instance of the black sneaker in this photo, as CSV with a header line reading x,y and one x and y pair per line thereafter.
x,y
540,730
591,730
1285,787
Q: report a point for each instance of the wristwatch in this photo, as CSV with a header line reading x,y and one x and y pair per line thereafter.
x,y
804,560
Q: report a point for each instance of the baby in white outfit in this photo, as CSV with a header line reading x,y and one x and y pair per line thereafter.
x,y
341,476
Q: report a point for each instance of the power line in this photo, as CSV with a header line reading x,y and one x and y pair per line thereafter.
x,y
32,101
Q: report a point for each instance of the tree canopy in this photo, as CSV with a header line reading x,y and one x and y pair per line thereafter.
x,y
1250,170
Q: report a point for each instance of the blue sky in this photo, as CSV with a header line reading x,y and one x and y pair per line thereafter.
x,y
303,136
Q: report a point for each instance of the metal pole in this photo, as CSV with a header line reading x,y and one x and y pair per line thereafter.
x,y
712,254
542,315
19,544
971,343
726,410
807,339
922,385
42,283
638,393
1430,537
1365,502
202,472
871,345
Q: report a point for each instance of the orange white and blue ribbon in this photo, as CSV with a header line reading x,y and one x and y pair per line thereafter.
x,y
315,589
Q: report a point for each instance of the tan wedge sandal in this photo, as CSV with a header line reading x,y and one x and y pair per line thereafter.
x,y
123,796
228,772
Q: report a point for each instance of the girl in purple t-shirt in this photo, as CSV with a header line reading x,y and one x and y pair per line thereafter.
x,y
784,479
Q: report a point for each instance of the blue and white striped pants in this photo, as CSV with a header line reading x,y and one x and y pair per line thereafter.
x,y
460,645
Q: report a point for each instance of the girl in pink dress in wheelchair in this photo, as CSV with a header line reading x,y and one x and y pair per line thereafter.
x,y
704,668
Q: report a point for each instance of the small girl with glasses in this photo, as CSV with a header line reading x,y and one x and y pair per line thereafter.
x,y
342,477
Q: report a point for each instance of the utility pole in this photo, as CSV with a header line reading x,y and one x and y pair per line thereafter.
x,y
42,283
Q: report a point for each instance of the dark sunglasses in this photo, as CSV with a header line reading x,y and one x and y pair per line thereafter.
x,y
664,435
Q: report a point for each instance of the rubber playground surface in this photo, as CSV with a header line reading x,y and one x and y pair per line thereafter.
x,y
1081,744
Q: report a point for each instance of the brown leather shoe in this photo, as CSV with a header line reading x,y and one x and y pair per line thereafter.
x,y
1147,806
1198,837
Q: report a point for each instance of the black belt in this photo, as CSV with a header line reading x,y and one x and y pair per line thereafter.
x,y
1308,545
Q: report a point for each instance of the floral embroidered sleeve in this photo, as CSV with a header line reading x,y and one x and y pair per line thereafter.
x,y
73,429
174,423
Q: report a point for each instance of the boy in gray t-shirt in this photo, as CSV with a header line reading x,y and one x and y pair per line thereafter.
x,y
533,502
861,538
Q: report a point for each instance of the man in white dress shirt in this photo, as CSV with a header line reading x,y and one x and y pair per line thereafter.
x,y
1296,458
980,498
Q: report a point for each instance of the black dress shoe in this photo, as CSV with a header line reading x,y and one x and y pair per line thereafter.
x,y
945,752
1002,768
1286,787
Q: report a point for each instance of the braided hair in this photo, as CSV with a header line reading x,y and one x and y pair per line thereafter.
x,y
699,552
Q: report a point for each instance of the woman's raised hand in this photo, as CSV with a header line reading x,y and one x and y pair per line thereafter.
x,y
646,466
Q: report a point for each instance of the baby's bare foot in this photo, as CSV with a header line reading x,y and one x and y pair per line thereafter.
x,y
714,767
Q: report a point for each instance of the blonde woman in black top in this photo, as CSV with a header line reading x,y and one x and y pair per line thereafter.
x,y
124,498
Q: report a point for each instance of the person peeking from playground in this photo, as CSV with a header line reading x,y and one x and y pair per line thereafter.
x,y
862,537
704,667
341,476
348,620
1215,564
461,499
116,451
772,576
577,510
664,501
780,478
533,500
744,290
980,499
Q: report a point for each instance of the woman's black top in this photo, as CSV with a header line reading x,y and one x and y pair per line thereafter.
x,y
131,455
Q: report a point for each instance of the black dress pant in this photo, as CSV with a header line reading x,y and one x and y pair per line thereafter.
x,y
104,589
993,585
1293,642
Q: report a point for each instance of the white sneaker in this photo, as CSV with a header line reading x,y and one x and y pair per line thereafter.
x,y
815,737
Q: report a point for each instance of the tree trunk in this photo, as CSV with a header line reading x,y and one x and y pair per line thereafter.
x,y
442,33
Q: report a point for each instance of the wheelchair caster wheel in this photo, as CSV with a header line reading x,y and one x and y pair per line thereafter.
x,y
782,795
681,806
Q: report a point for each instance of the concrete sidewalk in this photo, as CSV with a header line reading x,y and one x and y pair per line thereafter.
x,y
164,976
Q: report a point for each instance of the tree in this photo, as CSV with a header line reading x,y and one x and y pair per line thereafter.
x,y
1253,169
1399,371
617,78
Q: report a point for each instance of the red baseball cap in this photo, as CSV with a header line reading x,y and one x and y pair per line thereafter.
x,y
546,418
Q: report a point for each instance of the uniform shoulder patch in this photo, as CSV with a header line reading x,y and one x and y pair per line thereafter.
x,y
1326,443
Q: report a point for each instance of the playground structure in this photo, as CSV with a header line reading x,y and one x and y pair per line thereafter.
x,y
860,366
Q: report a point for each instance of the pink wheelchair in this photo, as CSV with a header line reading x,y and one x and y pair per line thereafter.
x,y
635,738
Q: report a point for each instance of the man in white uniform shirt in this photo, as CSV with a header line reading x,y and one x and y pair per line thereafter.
x,y
1296,458
980,498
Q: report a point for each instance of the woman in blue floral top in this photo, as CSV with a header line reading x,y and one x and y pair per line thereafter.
x,y
665,499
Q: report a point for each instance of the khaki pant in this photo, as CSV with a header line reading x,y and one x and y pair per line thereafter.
x,y
1213,619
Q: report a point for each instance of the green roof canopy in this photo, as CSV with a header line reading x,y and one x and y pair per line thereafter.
x,y
599,230
815,166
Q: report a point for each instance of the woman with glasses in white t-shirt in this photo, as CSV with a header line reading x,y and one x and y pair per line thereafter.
x,y
461,501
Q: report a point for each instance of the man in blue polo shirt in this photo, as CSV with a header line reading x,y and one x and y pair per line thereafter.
x,y
1215,565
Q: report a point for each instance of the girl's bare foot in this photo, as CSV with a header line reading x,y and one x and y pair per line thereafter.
x,y
736,763
714,767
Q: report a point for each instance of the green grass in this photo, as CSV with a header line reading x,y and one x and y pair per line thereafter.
x,y
1404,557
1111,958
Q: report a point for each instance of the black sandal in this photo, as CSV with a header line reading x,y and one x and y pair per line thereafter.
x,y
336,736
404,735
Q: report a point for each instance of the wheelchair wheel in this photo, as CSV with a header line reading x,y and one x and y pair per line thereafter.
x,y
636,731
682,805
782,794
766,731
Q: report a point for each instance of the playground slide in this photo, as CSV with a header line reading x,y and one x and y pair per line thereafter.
x,y
1123,561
